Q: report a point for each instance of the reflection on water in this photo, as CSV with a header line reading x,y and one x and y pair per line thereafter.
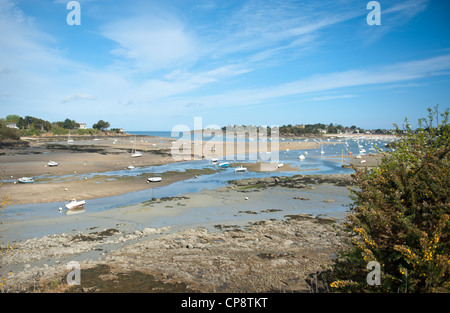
x,y
314,163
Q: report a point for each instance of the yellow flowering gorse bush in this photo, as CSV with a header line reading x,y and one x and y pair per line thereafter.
x,y
400,216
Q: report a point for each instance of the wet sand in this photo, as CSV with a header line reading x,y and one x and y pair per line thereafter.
x,y
275,238
112,154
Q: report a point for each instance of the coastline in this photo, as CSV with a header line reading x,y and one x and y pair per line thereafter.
x,y
88,156
271,225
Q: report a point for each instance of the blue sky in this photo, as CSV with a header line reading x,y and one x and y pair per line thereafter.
x,y
151,65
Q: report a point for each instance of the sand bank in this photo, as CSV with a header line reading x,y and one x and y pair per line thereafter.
x,y
110,154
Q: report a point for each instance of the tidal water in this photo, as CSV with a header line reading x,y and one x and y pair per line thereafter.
x,y
315,162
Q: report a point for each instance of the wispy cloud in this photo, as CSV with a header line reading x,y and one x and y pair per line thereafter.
x,y
394,16
332,97
76,97
150,41
260,30
394,73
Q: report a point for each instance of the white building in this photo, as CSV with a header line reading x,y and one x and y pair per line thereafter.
x,y
12,125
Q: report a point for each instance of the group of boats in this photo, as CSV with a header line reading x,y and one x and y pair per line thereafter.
x,y
29,180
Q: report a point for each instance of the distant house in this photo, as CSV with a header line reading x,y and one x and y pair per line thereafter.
x,y
83,126
12,125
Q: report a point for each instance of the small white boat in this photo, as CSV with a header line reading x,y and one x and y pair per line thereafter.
x,y
225,164
214,160
240,169
280,165
74,204
131,167
52,163
26,180
154,179
135,153
69,140
301,157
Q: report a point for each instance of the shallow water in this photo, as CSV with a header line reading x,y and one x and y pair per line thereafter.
x,y
314,163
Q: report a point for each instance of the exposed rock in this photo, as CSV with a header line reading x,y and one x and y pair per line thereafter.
x,y
261,257
296,181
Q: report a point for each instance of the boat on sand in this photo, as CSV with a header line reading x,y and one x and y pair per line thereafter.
x,y
26,180
74,204
52,163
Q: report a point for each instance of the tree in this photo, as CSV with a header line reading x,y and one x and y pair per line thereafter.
x,y
12,118
400,216
101,125
70,124
33,123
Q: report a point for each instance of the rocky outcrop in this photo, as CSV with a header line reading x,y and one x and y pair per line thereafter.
x,y
266,256
296,181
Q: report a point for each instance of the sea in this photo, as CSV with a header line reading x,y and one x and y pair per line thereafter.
x,y
167,134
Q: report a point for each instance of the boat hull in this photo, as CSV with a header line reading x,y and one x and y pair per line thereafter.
x,y
26,180
73,205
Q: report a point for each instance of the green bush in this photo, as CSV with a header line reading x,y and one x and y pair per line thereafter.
x,y
400,216
8,133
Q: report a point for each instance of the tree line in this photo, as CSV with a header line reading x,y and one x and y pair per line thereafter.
x,y
34,123
319,128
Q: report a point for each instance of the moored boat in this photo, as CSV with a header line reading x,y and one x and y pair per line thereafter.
x,y
52,163
26,180
135,153
74,204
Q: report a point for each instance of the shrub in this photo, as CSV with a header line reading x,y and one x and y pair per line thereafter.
x,y
8,133
400,216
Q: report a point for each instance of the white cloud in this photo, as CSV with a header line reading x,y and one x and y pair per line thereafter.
x,y
400,72
151,42
332,97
